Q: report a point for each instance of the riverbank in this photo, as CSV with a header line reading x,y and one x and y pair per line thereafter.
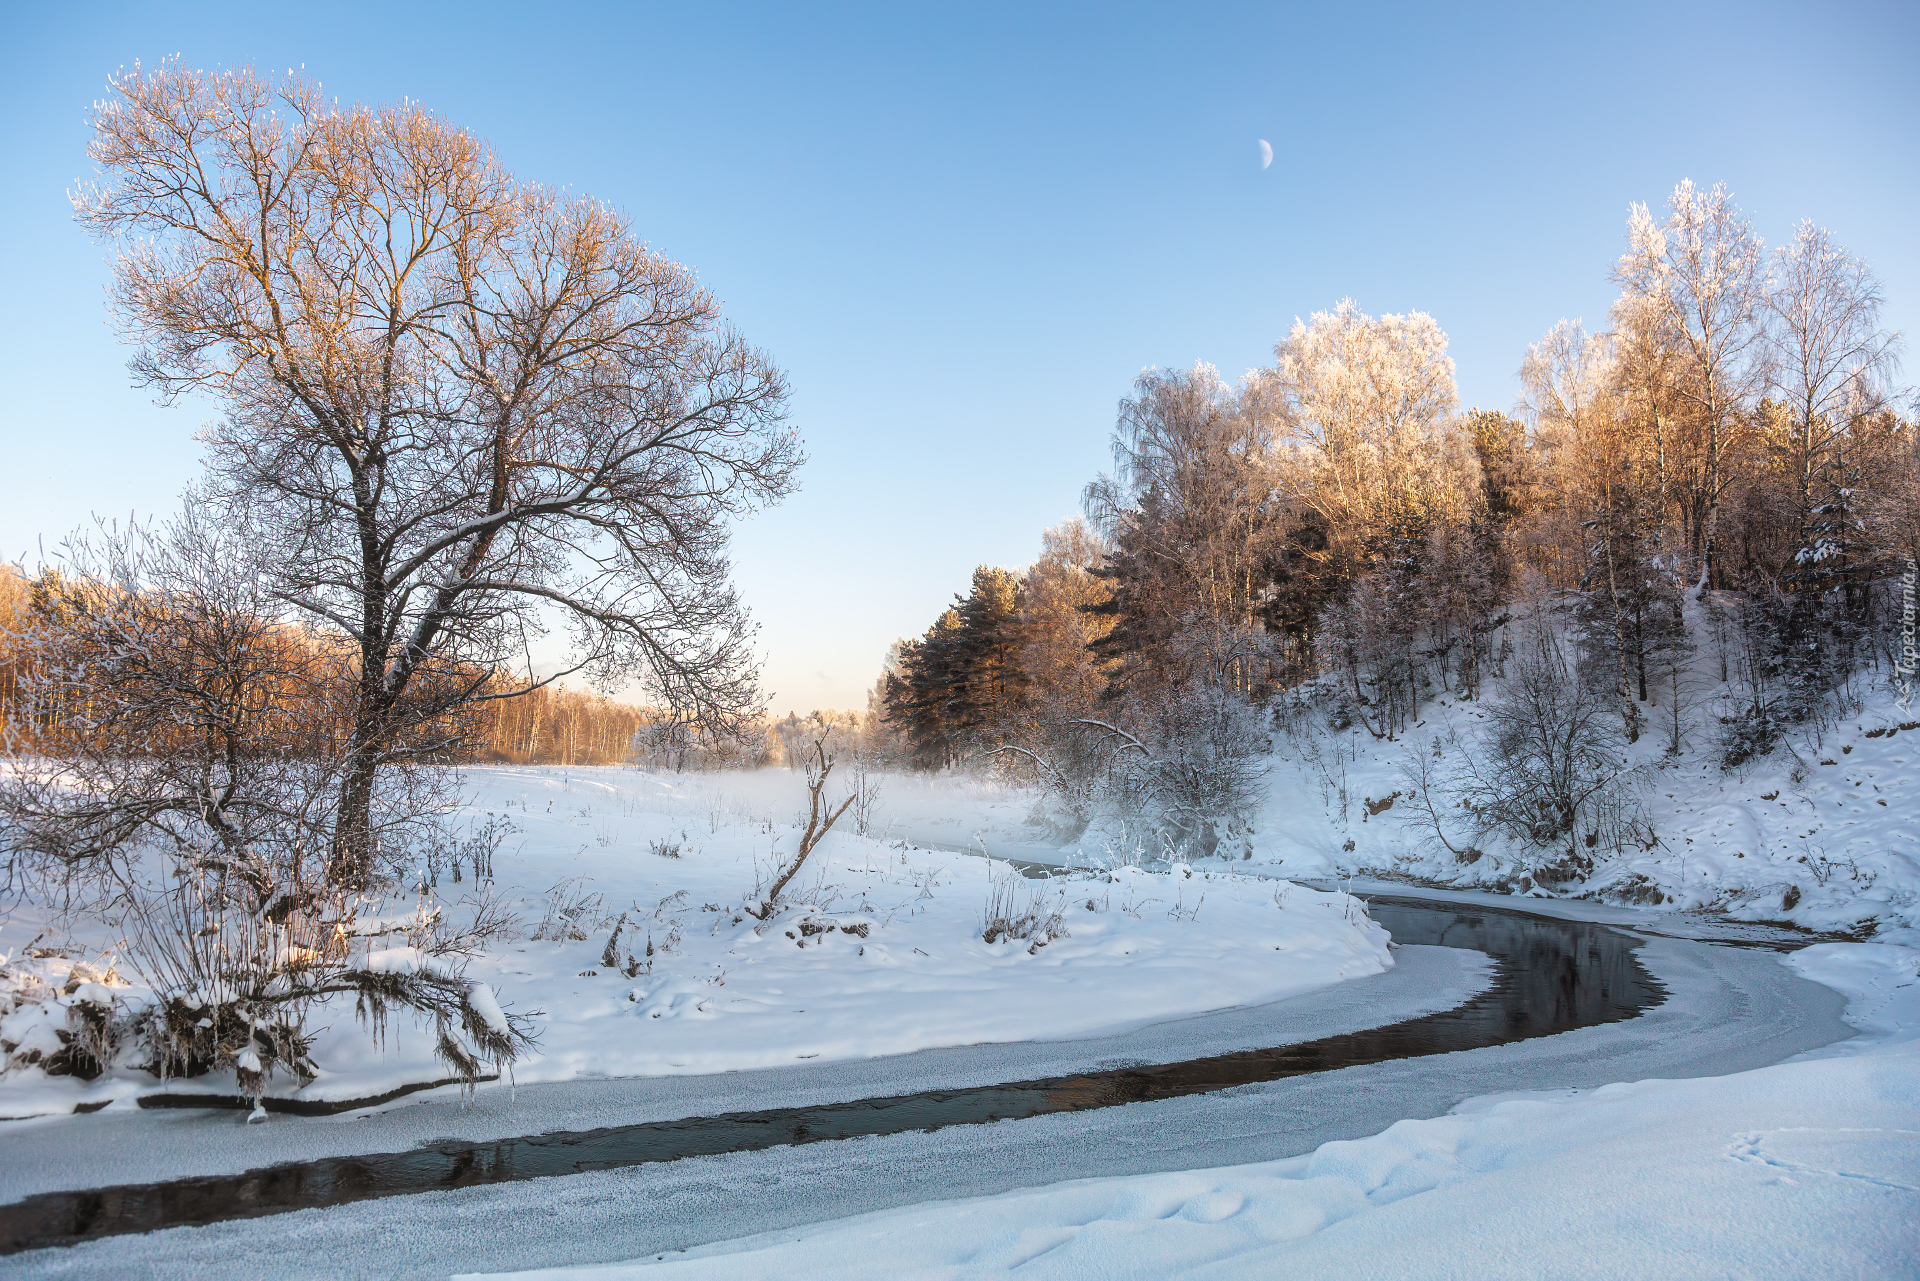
x,y
1727,1010
637,954
1808,1168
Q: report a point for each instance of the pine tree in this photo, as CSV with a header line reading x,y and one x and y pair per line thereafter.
x,y
989,686
1826,620
960,686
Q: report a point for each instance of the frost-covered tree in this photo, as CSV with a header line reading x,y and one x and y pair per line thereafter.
x,y
1829,349
455,408
1698,278
1193,515
1511,495
1058,626
1367,402
1550,778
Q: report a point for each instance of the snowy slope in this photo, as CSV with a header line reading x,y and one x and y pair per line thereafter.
x,y
1823,833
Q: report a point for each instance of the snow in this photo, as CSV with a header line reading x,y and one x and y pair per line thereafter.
x,y
1730,1009
1823,833
94,993
487,1006
876,950
390,923
127,1143
394,960
880,949
1807,1168
1883,998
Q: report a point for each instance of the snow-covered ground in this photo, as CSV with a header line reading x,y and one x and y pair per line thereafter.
x,y
880,951
1822,833
1808,1168
1804,1168
1729,1009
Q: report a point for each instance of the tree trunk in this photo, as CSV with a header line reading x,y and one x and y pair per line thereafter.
x,y
1710,553
351,864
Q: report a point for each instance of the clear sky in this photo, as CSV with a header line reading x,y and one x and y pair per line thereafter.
x,y
964,229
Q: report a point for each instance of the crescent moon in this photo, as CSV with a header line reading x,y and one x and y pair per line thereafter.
x,y
1266,153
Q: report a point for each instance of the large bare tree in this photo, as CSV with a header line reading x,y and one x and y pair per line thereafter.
x,y
455,407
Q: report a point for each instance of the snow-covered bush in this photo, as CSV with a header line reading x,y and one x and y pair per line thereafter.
x,y
237,967
61,1017
1020,909
1205,776
1186,776
1550,779
573,912
188,759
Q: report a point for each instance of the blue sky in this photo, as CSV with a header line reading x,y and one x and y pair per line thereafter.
x,y
963,230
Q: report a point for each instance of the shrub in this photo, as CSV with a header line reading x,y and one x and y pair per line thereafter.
x,y
1018,909
1552,773
236,965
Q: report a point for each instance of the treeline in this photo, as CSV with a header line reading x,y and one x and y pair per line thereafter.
x,y
294,678
294,686
1016,647
553,725
1725,457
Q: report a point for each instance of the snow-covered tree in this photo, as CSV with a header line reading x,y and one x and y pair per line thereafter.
x,y
1698,278
453,407
1829,349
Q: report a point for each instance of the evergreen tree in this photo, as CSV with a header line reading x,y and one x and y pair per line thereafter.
x,y
1827,615
919,697
989,687
960,686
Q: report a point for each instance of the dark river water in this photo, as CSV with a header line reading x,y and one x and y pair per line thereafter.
x,y
1551,976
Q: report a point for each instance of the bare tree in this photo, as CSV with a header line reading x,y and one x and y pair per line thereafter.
x,y
170,709
1552,772
453,406
821,816
1829,348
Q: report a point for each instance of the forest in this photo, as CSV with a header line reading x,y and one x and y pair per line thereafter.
x,y
1696,527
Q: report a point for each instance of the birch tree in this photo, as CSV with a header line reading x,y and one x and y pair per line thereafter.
x,y
1368,401
1828,347
1701,274
1064,678
454,407
1193,518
